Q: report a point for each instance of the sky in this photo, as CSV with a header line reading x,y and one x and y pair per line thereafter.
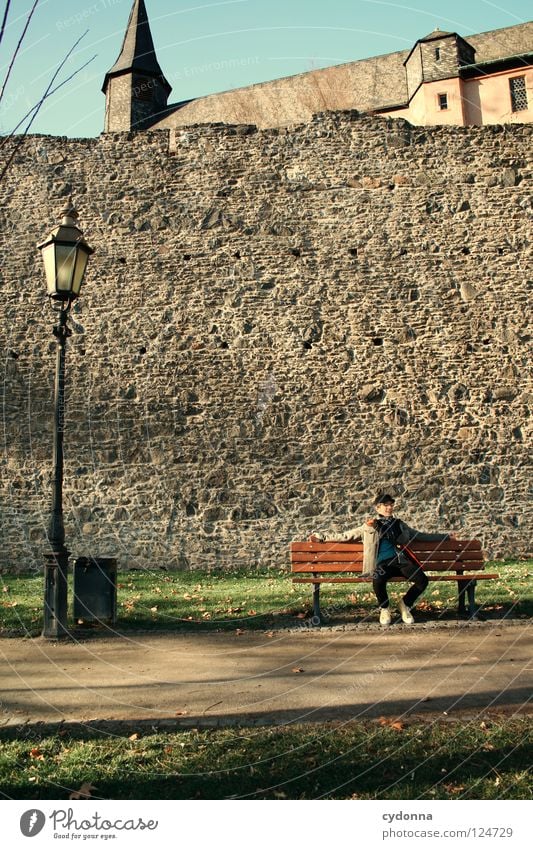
x,y
205,47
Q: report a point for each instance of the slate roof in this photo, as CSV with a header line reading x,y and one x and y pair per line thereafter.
x,y
138,52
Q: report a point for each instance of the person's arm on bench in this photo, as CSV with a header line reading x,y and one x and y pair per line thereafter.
x,y
348,536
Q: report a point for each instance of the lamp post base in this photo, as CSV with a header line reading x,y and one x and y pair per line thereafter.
x,y
55,595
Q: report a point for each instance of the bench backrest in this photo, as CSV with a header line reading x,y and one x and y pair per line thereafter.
x,y
449,555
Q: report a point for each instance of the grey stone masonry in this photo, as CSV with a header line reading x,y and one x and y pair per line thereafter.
x,y
275,325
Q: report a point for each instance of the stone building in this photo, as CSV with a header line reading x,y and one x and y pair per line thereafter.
x,y
444,79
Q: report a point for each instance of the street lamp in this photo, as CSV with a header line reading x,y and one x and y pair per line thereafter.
x,y
65,254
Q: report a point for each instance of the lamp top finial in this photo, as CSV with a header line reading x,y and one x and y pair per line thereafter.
x,y
70,212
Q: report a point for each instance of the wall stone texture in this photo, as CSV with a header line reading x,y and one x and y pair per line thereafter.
x,y
275,325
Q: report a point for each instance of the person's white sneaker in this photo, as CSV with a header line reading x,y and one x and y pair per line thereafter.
x,y
406,614
384,616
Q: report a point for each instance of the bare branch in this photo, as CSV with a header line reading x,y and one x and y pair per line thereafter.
x,y
34,111
21,39
4,21
44,97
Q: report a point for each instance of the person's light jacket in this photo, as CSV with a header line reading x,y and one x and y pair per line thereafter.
x,y
370,537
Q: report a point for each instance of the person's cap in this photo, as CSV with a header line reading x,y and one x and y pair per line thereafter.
x,y
383,498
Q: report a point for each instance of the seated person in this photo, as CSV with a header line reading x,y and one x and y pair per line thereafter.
x,y
384,557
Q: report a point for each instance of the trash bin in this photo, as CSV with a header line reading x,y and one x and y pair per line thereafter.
x,y
95,589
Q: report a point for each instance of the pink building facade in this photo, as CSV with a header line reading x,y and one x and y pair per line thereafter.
x,y
446,85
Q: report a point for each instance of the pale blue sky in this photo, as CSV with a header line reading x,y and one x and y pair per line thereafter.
x,y
205,47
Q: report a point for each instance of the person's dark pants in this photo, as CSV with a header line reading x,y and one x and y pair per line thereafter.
x,y
396,567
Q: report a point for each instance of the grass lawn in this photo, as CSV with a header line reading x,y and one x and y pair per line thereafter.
x,y
160,600
415,759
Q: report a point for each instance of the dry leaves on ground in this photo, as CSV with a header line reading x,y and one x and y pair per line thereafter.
x,y
85,791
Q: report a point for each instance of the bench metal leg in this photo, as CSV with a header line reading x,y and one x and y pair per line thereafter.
x,y
467,589
316,605
473,609
461,590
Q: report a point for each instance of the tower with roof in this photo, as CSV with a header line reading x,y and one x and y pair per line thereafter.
x,y
437,56
135,88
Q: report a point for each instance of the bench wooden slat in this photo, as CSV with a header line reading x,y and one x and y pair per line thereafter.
x,y
326,546
456,546
328,557
357,557
437,566
448,577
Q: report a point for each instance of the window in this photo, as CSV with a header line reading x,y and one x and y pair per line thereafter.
x,y
517,86
437,54
443,101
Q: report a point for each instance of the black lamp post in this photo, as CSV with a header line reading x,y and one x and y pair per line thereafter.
x,y
65,254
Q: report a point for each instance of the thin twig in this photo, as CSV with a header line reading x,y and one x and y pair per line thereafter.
x,y
21,39
6,12
37,107
50,93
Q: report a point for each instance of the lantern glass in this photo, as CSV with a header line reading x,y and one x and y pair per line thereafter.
x,y
79,270
49,260
65,264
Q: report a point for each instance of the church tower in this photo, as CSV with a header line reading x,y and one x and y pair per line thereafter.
x,y
136,92
438,56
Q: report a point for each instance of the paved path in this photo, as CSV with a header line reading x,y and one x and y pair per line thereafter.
x,y
274,677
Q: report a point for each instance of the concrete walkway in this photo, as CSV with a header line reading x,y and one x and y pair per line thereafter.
x,y
275,677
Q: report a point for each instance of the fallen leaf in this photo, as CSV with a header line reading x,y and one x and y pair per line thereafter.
x,y
85,791
384,721
37,754
454,788
134,736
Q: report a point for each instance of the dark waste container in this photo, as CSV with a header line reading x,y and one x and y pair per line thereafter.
x,y
95,589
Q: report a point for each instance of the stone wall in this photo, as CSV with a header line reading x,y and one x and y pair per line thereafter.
x,y
275,324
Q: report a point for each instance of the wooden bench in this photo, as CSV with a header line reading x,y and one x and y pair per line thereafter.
x,y
319,563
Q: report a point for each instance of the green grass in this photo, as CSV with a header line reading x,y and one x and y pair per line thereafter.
x,y
160,600
374,760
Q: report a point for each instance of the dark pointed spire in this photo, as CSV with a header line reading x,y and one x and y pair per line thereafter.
x,y
137,53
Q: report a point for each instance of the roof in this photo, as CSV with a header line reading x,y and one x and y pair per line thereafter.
x,y
138,52
437,33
